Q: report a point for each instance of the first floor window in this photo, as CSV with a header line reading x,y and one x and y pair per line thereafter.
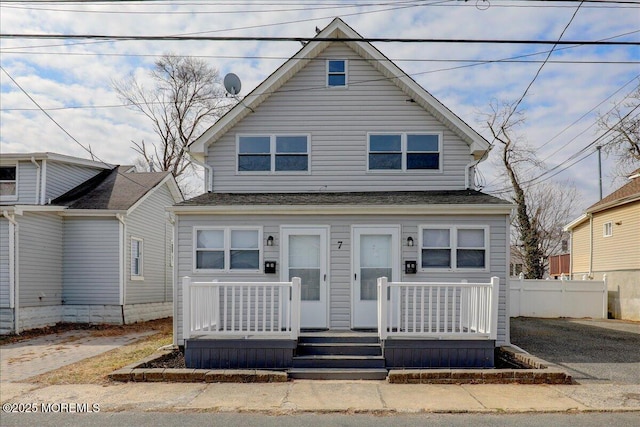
x,y
136,257
455,248
227,249
8,181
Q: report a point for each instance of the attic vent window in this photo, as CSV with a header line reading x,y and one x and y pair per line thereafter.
x,y
337,73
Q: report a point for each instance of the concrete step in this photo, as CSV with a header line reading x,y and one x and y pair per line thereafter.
x,y
338,349
337,374
339,361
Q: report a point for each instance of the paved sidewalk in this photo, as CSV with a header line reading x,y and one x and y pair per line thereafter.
x,y
329,396
36,356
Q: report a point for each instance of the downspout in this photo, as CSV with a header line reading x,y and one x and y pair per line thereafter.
x,y
123,257
33,160
208,174
467,175
590,245
43,186
14,271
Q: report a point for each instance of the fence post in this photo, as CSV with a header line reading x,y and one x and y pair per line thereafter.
x,y
495,299
295,308
186,307
382,307
521,298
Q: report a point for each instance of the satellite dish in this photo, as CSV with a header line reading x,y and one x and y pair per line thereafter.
x,y
232,84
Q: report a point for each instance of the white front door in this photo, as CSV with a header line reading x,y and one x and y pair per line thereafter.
x,y
305,256
376,253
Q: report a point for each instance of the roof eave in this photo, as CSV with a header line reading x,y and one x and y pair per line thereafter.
x,y
614,203
576,222
365,209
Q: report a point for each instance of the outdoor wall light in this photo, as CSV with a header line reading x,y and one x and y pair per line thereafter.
x,y
409,241
270,241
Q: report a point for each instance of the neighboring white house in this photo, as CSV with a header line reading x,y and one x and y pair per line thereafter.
x,y
82,241
340,169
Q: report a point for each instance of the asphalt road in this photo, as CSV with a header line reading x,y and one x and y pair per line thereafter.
x,y
159,419
593,351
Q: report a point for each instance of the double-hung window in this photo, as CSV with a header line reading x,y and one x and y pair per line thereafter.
x,y
336,73
8,182
607,229
273,153
227,249
454,248
136,258
404,151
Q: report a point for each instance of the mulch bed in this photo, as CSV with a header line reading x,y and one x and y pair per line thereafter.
x,y
173,360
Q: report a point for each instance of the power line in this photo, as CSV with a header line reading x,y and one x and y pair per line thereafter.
x,y
311,39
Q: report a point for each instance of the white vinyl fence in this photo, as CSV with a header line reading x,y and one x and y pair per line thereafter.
x,y
558,298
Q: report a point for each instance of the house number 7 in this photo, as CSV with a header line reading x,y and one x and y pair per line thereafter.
x,y
339,244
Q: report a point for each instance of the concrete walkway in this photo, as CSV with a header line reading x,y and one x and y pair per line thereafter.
x,y
329,396
36,356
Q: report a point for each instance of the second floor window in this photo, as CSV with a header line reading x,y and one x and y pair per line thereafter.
x,y
273,153
404,151
8,181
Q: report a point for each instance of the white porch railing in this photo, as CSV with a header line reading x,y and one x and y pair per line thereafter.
x,y
438,310
242,309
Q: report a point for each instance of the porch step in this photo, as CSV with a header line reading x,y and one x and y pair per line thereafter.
x,y
339,361
339,337
338,349
338,374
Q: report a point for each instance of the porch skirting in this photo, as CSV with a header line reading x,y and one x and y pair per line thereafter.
x,y
239,353
403,353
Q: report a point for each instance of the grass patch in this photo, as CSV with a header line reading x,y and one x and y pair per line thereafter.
x,y
95,370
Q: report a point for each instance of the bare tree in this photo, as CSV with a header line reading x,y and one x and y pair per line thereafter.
x,y
622,123
185,96
541,209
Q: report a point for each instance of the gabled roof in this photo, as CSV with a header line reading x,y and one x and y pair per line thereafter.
x,y
625,194
115,190
339,29
628,193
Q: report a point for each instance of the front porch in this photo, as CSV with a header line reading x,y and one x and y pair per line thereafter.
x,y
232,325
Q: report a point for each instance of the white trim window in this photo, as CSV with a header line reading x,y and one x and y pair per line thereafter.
x,y
454,248
227,249
273,153
9,182
607,229
337,73
137,258
402,151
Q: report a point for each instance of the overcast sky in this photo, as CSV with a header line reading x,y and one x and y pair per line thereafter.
x,y
71,79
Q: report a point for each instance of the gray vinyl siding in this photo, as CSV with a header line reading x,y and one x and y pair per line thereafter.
x,y
40,259
148,222
91,261
340,267
338,120
4,263
62,177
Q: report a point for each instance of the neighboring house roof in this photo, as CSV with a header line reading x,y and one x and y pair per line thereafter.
x,y
338,29
55,157
628,193
399,200
115,190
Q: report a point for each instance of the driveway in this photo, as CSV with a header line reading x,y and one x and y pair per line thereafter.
x,y
593,351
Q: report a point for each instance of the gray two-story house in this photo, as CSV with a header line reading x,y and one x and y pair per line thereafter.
x,y
339,170
82,241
